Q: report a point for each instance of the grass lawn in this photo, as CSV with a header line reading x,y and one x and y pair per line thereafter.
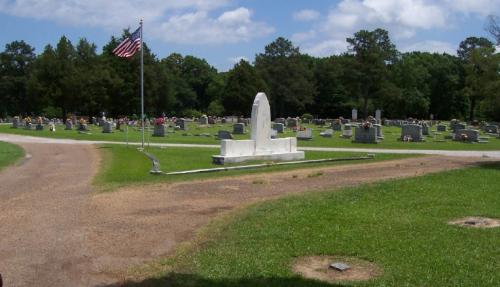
x,y
9,153
124,166
391,138
400,225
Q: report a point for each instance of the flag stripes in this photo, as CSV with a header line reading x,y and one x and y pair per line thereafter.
x,y
129,46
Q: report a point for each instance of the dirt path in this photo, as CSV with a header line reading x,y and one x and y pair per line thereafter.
x,y
55,232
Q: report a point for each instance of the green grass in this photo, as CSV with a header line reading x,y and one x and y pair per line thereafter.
x,y
9,154
400,225
125,166
391,138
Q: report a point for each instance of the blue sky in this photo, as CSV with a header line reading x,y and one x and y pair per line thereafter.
x,y
223,31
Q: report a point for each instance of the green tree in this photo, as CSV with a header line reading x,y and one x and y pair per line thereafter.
x,y
476,55
373,52
242,84
15,65
289,78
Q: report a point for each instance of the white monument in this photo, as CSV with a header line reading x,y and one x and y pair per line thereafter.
x,y
354,115
260,146
378,115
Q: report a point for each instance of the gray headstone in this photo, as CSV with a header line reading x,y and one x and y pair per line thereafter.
x,y
379,131
441,128
336,126
39,127
15,123
182,124
305,134
203,120
279,127
280,121
107,127
467,135
412,132
354,115
224,135
378,115
239,129
491,129
327,134
292,123
365,135
159,130
347,131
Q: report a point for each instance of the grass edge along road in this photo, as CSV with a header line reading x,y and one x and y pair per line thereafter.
x,y
9,154
400,225
206,135
122,165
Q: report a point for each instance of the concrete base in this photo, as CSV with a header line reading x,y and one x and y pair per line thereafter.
x,y
289,156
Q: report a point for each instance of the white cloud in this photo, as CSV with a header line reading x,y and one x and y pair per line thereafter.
x,y
199,28
177,21
306,15
402,18
430,46
482,7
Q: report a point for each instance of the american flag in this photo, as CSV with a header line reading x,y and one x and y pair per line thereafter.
x,y
130,45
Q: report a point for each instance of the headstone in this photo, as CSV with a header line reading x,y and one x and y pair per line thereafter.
x,y
441,128
261,146
280,121
467,135
107,127
425,129
15,123
304,134
39,127
211,120
203,120
182,124
279,127
379,131
292,123
28,126
347,131
327,134
224,135
336,125
491,129
82,127
239,129
412,132
354,115
159,130
366,134
378,115
456,125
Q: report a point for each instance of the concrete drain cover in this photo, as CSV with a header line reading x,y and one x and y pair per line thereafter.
x,y
340,266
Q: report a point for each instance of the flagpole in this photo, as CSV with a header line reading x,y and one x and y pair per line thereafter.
x,y
142,87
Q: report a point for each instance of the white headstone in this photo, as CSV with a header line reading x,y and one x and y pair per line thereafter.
x,y
378,114
261,122
261,146
354,115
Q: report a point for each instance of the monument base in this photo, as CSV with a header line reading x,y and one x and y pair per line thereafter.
x,y
288,156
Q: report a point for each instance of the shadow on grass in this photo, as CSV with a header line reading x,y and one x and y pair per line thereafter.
x,y
490,165
192,280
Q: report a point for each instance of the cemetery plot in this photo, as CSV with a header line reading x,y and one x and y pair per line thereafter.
x,y
197,134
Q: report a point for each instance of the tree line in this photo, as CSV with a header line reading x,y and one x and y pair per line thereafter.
x,y
76,79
